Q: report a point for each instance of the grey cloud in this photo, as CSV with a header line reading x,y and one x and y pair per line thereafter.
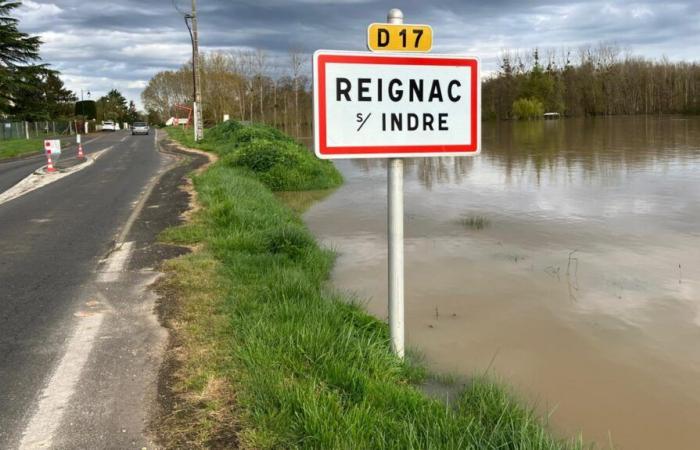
x,y
95,43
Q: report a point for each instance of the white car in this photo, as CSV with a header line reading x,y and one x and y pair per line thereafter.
x,y
139,128
109,125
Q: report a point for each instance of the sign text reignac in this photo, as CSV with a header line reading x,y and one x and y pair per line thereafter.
x,y
372,105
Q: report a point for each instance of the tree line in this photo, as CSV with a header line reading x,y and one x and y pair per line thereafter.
x,y
587,81
28,90
246,85
31,91
600,80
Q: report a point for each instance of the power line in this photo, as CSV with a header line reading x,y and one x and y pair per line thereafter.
x,y
174,2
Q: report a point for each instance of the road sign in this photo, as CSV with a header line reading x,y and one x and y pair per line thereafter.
x,y
370,105
52,146
399,38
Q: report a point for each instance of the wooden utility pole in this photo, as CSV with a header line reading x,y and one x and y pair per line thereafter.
x,y
198,125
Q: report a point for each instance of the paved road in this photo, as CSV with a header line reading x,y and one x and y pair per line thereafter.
x,y
51,241
12,172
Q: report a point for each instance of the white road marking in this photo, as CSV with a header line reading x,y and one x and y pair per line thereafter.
x,y
115,263
39,432
54,398
40,179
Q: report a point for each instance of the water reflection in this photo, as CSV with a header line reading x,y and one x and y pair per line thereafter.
x,y
585,282
600,148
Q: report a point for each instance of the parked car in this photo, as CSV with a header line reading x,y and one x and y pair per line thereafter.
x,y
109,125
140,128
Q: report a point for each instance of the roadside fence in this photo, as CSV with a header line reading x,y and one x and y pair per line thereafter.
x,y
30,130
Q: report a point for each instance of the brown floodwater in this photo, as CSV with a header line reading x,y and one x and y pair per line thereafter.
x,y
564,260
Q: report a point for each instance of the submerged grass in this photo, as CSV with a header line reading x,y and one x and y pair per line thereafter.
x,y
300,366
475,222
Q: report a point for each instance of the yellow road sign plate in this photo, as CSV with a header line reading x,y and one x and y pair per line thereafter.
x,y
386,37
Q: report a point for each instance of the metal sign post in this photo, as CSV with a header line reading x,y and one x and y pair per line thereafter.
x,y
395,232
383,105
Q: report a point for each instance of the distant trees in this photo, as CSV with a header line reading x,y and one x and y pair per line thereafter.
x,y
165,90
28,91
132,114
112,106
601,81
86,109
19,52
41,96
527,108
245,85
33,92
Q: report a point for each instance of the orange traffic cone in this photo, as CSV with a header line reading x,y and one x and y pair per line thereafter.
x,y
49,167
80,151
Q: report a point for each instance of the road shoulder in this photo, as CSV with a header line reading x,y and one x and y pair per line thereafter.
x,y
117,390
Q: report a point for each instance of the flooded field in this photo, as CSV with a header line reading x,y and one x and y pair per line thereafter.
x,y
565,260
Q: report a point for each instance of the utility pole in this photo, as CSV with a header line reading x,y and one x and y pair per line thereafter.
x,y
197,107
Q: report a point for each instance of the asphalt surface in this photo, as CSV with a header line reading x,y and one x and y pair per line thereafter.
x,y
51,243
11,172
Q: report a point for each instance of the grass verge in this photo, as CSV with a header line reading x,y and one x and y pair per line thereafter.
x,y
267,357
20,147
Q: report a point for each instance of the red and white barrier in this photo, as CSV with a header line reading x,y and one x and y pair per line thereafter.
x,y
51,146
49,165
81,155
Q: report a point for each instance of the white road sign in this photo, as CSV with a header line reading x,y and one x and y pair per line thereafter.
x,y
52,146
369,105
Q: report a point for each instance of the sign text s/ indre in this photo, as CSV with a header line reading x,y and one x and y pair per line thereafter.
x,y
377,105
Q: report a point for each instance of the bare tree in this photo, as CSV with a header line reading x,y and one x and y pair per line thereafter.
x,y
260,62
295,64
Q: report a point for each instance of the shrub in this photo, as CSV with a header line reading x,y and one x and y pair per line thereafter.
x,y
232,132
528,108
271,156
225,131
283,165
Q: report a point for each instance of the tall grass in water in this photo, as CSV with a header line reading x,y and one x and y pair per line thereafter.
x,y
475,222
308,368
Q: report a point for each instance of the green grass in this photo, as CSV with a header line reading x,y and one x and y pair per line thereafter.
x,y
475,222
20,147
267,154
269,357
185,137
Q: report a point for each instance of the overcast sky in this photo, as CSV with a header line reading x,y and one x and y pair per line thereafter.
x,y
99,45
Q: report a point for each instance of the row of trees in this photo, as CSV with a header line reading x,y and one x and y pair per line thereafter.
x,y
31,91
245,85
600,80
28,90
113,106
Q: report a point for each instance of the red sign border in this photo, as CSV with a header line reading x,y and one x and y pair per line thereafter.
x,y
324,57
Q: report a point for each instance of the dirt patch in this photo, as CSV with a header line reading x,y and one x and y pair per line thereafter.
x,y
188,186
196,410
189,416
166,207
